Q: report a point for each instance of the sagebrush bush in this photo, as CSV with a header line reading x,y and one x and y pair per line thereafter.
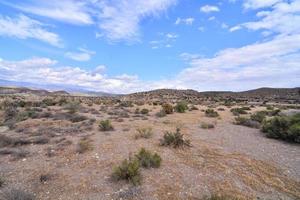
x,y
207,125
144,111
174,139
148,159
84,145
72,107
244,121
181,107
283,127
211,113
167,108
143,133
259,116
105,125
129,170
238,111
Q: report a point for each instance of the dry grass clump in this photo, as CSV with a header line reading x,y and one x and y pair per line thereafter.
x,y
143,133
129,170
72,107
84,145
211,113
205,125
144,111
174,139
148,159
105,125
167,108
161,113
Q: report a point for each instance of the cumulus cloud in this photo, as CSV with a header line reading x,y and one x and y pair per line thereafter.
x,y
69,11
186,21
251,66
47,71
117,19
280,18
209,9
82,55
23,27
255,4
120,19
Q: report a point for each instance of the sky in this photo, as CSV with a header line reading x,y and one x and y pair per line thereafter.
x,y
125,46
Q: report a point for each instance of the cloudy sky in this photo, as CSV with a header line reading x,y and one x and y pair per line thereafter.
x,y
123,46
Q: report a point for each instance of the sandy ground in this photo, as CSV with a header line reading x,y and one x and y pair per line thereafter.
x,y
229,159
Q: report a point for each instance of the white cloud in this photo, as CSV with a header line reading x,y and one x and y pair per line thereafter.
x,y
120,20
69,11
186,21
280,18
167,40
23,27
211,18
235,28
255,4
117,19
209,9
171,35
201,28
47,71
247,67
82,55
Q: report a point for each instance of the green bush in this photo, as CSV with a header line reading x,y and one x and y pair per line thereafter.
x,y
129,170
174,139
181,107
144,111
167,108
246,122
105,125
259,116
211,113
143,133
238,111
84,145
148,159
207,125
283,127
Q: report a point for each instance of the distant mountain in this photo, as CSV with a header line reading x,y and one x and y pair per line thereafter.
x,y
24,90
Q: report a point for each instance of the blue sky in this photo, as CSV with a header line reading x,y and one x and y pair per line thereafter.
x,y
124,46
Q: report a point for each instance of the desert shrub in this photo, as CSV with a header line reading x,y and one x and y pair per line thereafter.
x,y
174,139
143,133
220,197
129,170
105,125
161,113
244,121
49,102
137,111
126,104
148,159
16,194
238,111
12,141
207,125
167,108
269,107
221,109
77,118
284,127
44,178
2,181
72,107
40,140
84,145
259,116
144,111
193,107
211,113
181,107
